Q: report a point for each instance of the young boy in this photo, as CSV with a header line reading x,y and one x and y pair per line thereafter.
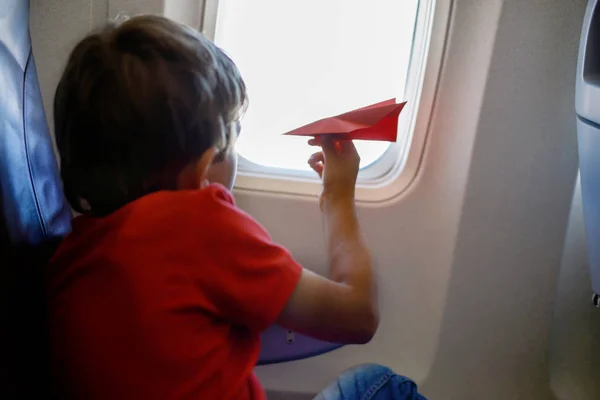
x,y
163,287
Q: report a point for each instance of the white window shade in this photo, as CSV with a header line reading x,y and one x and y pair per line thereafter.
x,y
307,59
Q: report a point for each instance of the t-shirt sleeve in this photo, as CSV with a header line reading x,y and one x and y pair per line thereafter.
x,y
249,278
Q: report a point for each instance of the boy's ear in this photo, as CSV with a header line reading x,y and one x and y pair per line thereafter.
x,y
203,166
195,175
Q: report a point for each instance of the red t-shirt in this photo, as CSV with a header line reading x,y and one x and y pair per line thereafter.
x,y
165,299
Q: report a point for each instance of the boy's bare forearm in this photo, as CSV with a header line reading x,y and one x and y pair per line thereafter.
x,y
349,260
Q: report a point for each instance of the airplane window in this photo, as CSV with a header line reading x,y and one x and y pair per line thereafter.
x,y
307,59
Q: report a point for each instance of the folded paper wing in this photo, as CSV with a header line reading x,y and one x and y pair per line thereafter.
x,y
375,122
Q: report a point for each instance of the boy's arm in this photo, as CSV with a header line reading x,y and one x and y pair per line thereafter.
x,y
343,307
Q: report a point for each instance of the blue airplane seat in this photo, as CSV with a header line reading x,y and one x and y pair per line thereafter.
x,y
34,215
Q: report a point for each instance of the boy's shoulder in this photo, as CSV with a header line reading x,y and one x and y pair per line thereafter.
x,y
214,195
164,218
165,235
155,225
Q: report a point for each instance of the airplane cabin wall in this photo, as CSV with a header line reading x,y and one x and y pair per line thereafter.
x,y
470,256
508,252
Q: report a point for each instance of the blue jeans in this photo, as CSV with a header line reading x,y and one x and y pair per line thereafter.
x,y
371,382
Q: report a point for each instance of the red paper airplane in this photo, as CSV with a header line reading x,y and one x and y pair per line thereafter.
x,y
375,122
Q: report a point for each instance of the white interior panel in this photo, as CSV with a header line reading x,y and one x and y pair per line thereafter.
x,y
185,11
469,257
498,313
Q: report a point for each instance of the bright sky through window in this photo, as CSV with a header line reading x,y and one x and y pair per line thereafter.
x,y
307,59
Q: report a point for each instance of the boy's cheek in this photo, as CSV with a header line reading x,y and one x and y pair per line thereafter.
x,y
225,171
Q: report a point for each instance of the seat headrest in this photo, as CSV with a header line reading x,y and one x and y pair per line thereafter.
x,y
33,204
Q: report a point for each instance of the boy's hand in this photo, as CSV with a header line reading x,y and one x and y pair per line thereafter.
x,y
337,164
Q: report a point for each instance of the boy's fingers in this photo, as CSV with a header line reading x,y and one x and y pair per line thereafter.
x,y
318,168
317,157
329,146
333,145
316,162
316,141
